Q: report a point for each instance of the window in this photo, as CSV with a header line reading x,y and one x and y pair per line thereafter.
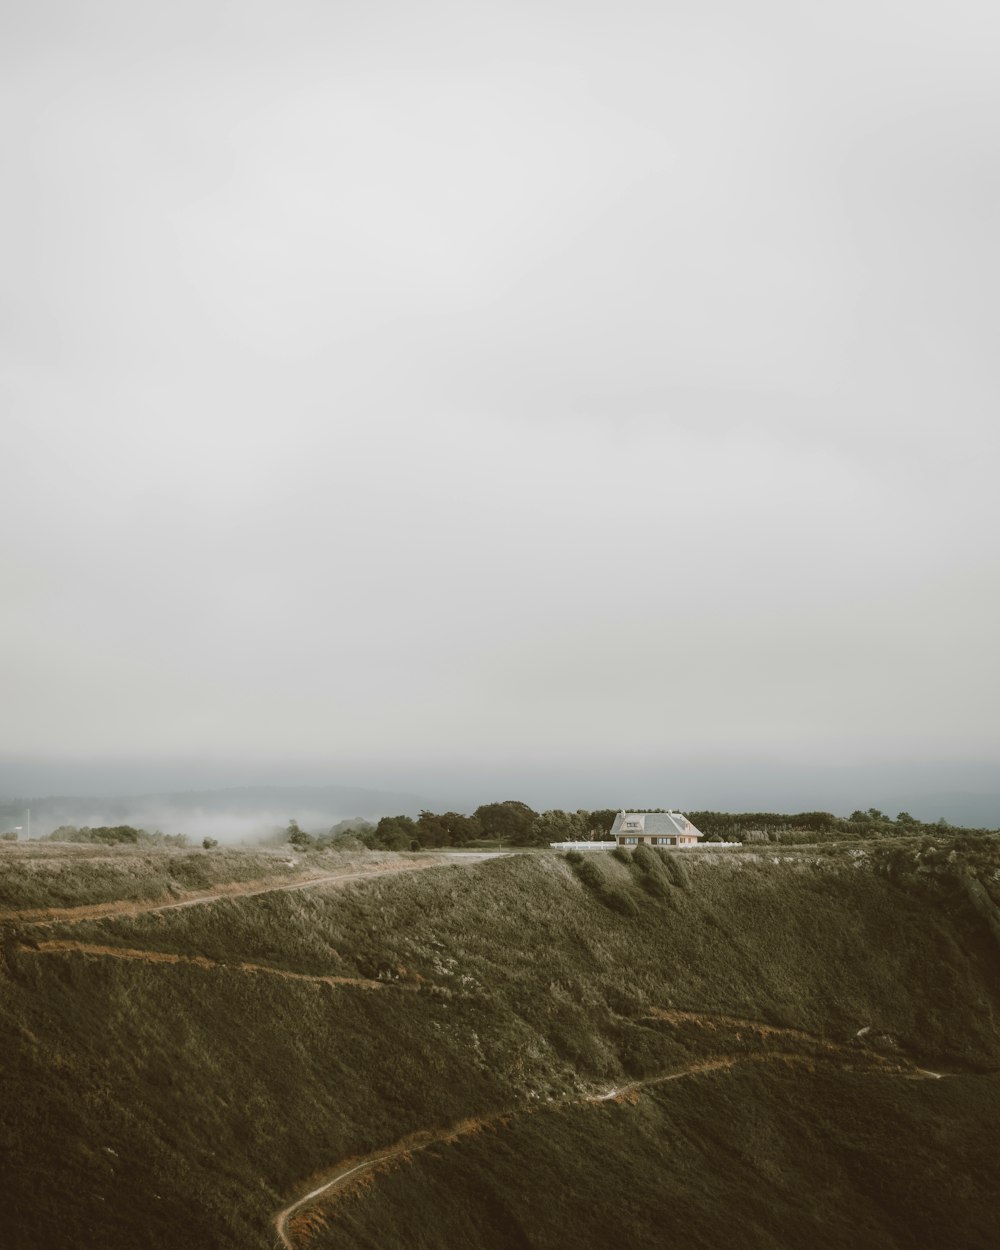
x,y
631,841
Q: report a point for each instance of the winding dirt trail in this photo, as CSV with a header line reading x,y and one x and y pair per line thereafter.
x,y
295,1221
44,917
59,947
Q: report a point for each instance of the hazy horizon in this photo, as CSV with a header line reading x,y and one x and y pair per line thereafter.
x,y
576,403
967,793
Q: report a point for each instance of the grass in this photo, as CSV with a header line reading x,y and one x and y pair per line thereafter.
x,y
151,1103
42,875
758,1158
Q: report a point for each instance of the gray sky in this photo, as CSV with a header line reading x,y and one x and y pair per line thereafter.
x,y
471,386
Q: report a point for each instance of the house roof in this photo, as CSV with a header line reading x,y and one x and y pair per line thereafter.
x,y
657,824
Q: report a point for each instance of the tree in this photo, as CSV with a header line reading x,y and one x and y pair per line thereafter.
x,y
393,833
602,820
560,826
816,822
509,821
298,837
354,824
447,829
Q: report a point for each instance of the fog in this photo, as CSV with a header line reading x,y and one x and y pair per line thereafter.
x,y
578,403
248,813
229,828
243,809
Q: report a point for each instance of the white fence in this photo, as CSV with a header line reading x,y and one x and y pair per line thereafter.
x,y
583,846
610,846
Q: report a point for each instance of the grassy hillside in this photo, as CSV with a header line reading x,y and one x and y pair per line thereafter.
x,y
766,1156
193,1095
44,874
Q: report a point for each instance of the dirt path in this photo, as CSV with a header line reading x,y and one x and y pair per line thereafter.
x,y
200,961
713,1022
758,1028
93,950
47,916
357,1167
294,1221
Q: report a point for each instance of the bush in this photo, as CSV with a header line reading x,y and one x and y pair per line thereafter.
x,y
298,837
676,869
592,876
112,835
589,873
619,901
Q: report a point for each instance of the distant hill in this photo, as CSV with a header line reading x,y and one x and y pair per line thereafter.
x,y
228,814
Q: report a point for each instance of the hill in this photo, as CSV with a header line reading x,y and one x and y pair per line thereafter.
x,y
542,1051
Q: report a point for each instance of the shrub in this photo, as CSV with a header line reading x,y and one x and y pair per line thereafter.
x,y
619,901
298,837
677,871
593,877
654,877
589,873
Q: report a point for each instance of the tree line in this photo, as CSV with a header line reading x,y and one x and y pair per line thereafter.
x,y
804,827
509,823
515,824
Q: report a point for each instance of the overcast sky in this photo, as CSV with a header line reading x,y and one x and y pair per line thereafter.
x,y
470,386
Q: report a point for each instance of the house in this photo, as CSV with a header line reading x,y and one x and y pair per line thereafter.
x,y
654,829
631,829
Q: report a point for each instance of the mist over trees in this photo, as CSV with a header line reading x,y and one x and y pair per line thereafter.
x,y
115,835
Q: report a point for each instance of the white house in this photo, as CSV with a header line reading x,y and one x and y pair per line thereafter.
x,y
654,829
646,829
